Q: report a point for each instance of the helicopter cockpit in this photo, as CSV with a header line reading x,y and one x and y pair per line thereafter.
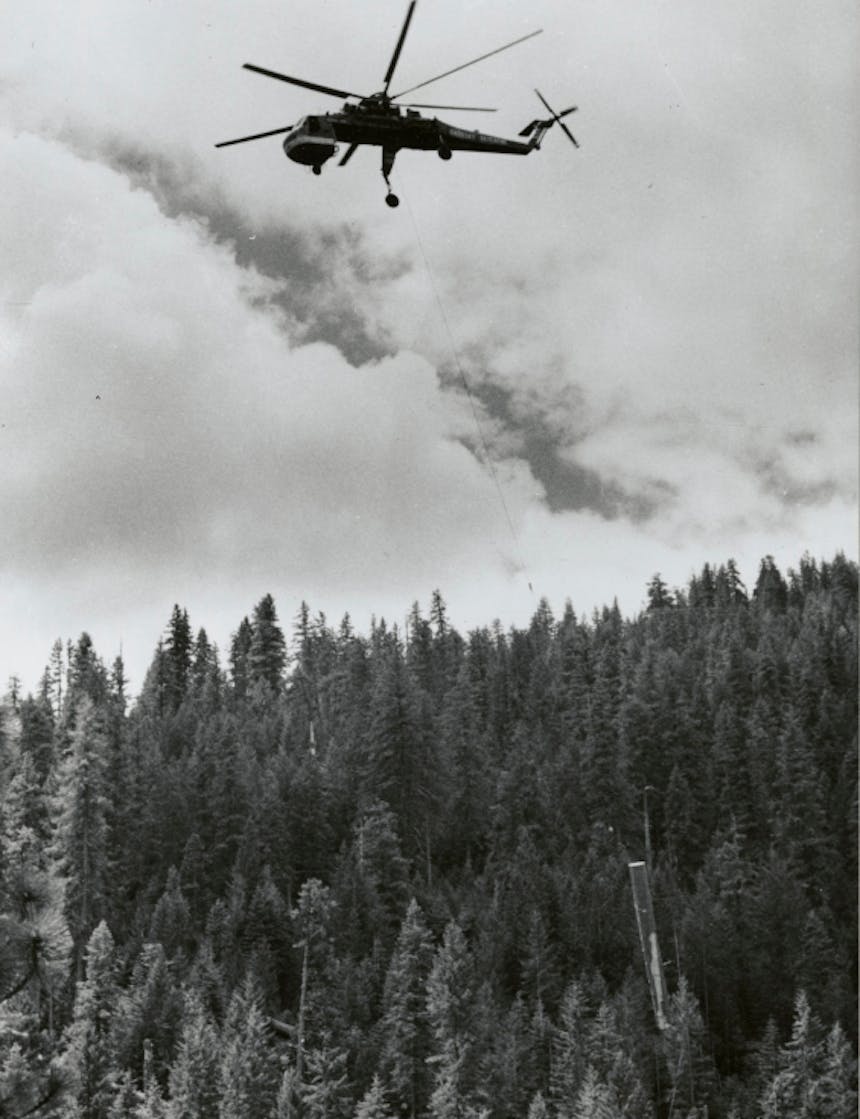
x,y
311,142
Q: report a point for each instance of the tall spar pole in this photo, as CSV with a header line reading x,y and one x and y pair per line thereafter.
x,y
648,940
648,789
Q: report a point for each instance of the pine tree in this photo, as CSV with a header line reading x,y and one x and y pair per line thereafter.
x,y
90,1056
399,767
303,639
774,908
373,1104
247,1076
404,1025
837,1084
35,946
206,981
55,679
729,589
194,1076
80,838
716,922
823,967
127,1100
178,650
192,877
87,678
738,798
25,1088
763,1061
464,761
205,675
608,1056
509,1060
438,615
24,825
240,647
792,1092
771,591
325,1090
171,919
450,995
320,1008
36,741
446,1101
539,964
148,1015
267,653
568,1060
266,938
595,1099
659,595
605,782
419,649
691,1070
799,810
288,1105
152,1106
378,877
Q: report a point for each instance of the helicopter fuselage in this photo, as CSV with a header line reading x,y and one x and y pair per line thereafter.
x,y
375,120
315,139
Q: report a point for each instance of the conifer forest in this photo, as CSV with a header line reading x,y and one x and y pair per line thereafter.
x,y
330,875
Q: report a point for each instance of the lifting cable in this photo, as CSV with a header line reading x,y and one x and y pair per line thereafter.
x,y
488,459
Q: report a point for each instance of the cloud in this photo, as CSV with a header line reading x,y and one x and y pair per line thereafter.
x,y
154,391
333,272
161,426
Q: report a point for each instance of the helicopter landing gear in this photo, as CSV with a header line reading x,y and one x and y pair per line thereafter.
x,y
444,152
317,170
388,155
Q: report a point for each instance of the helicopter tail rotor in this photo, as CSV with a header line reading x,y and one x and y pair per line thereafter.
x,y
556,118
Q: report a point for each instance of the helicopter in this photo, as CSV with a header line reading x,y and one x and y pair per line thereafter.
x,y
375,119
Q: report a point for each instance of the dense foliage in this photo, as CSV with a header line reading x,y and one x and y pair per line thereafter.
x,y
388,875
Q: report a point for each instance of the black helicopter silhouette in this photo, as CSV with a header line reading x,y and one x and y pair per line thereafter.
x,y
376,120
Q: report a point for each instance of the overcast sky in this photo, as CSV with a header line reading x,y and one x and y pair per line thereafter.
x,y
224,377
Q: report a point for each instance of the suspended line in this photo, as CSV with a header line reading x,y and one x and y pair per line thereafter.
x,y
465,382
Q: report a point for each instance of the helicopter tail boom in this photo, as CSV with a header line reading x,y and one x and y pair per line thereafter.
x,y
536,130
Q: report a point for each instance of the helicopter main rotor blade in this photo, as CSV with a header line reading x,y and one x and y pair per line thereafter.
x,y
389,73
463,66
256,136
460,108
300,81
350,152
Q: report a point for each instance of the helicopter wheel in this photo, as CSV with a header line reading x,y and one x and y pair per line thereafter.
x,y
392,200
317,170
444,152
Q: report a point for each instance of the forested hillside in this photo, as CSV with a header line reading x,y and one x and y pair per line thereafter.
x,y
332,875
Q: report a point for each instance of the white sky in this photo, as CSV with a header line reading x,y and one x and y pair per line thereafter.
x,y
224,377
